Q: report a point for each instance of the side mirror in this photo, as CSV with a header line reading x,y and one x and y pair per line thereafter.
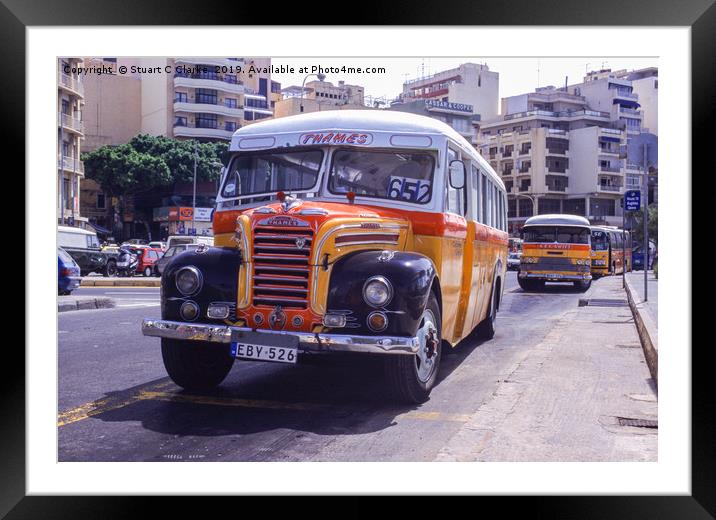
x,y
457,174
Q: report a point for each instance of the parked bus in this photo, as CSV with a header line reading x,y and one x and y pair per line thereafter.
x,y
556,248
372,232
608,247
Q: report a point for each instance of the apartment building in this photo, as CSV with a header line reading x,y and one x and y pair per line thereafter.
x,y
557,155
194,101
70,132
470,84
460,97
459,116
317,96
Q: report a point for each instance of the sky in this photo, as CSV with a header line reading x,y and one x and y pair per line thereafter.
x,y
517,75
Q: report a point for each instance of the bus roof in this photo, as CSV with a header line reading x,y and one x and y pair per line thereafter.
x,y
557,220
368,120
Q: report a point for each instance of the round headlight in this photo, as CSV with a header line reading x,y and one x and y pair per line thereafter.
x,y
188,280
377,291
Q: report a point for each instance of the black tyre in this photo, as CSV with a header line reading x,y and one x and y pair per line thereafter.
x,y
530,285
196,365
582,286
486,328
411,378
110,269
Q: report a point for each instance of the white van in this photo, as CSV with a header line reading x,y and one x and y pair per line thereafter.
x,y
176,240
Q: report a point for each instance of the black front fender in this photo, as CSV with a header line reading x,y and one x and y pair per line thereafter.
x,y
219,267
410,274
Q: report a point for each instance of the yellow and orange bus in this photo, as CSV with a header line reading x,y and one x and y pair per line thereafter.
x,y
373,232
609,247
555,248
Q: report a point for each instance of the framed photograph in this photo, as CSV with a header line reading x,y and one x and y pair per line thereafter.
x,y
401,259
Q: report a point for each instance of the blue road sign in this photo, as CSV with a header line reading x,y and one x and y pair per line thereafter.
x,y
632,200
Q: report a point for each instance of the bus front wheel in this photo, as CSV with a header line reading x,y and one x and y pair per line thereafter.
x,y
411,378
195,365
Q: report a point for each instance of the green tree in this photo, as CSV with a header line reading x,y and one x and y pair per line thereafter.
x,y
148,163
652,225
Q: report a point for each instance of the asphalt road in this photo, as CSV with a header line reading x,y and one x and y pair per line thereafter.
x,y
116,402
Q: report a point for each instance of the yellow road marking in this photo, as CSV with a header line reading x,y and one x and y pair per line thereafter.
x,y
434,416
228,401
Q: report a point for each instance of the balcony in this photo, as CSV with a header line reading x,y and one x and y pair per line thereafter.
x,y
74,85
522,188
209,133
553,170
71,124
631,111
607,188
208,108
555,187
524,171
524,151
609,150
560,152
610,168
507,171
220,62
216,83
72,164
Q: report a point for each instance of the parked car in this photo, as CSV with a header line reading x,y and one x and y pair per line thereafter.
x,y
172,252
158,245
513,261
637,257
68,273
83,246
147,257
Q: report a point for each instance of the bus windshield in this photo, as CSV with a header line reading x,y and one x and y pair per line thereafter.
x,y
272,171
559,234
600,241
380,174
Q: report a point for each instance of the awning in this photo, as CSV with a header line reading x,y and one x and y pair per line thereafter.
x,y
626,103
610,139
99,229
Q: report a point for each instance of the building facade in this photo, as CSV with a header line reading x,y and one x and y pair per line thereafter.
x,y
457,115
317,96
469,90
556,154
70,132
469,84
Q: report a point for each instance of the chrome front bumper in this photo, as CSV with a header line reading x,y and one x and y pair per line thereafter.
x,y
308,342
552,278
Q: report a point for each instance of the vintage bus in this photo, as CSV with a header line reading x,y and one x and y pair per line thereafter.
x,y
374,232
608,247
555,248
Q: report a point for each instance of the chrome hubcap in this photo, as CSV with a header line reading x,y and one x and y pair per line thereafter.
x,y
427,353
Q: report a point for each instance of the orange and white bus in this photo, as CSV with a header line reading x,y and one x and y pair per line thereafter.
x,y
609,245
556,248
373,232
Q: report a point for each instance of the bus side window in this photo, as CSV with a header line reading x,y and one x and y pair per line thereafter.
x,y
455,198
483,205
475,193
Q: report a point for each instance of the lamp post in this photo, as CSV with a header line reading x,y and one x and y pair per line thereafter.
x,y
320,77
193,201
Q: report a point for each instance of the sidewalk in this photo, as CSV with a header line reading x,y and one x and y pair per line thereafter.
x,y
645,315
583,394
636,281
134,281
79,303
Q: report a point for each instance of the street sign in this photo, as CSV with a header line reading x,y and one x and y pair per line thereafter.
x,y
632,200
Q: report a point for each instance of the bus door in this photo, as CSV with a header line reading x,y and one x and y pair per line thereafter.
x,y
457,251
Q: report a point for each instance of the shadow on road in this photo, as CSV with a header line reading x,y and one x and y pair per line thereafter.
x,y
343,395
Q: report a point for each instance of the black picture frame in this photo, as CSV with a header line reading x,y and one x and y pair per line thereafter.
x,y
699,15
